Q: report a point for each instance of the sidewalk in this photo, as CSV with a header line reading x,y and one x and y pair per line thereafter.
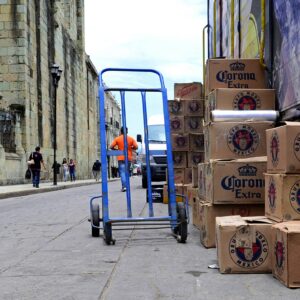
x,y
8,191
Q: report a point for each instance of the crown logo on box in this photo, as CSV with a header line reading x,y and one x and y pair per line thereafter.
x,y
247,170
237,66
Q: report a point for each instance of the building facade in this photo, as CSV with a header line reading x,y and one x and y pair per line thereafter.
x,y
34,34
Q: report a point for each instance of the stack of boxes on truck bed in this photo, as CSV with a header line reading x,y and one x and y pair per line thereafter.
x,y
231,181
186,123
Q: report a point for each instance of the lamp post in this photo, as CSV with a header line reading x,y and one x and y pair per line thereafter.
x,y
56,73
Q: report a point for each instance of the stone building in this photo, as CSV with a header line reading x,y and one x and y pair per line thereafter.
x,y
34,34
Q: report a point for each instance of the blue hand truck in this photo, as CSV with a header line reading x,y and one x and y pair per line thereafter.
x,y
178,216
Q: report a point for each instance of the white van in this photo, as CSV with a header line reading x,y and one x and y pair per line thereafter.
x,y
157,141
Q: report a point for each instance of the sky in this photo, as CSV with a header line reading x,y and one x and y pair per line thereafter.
x,y
165,35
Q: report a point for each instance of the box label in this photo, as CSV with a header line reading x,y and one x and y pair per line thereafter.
x,y
245,256
243,139
240,186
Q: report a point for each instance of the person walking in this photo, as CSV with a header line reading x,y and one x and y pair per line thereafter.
x,y
72,170
96,169
118,144
36,166
65,168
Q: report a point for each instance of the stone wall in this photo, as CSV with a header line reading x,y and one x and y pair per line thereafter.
x,y
34,34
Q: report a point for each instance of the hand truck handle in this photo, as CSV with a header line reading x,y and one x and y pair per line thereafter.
x,y
106,89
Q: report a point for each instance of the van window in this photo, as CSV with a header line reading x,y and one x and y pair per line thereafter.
x,y
156,133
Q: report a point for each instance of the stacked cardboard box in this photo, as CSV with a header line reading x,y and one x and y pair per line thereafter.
x,y
282,200
231,181
186,123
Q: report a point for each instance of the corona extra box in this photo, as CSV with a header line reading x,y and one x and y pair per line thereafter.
x,y
283,148
230,140
286,253
233,73
188,91
239,99
238,181
244,245
194,108
176,108
179,159
207,218
177,124
196,142
195,158
282,197
193,125
180,142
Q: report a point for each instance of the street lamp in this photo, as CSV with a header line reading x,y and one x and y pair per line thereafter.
x,y
56,73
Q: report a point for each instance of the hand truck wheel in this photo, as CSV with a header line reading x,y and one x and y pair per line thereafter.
x,y
95,220
108,234
181,230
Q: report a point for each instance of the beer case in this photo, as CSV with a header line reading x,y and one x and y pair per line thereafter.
x,y
238,181
244,245
282,197
230,140
188,91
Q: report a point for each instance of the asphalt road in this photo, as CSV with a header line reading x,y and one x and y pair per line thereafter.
x,y
47,252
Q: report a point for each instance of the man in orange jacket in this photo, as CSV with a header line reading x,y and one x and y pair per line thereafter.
x,y
118,144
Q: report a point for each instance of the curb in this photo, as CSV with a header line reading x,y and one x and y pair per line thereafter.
x,y
47,189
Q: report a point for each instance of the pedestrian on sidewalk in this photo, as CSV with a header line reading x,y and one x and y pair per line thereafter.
x,y
65,168
96,169
118,144
36,166
72,171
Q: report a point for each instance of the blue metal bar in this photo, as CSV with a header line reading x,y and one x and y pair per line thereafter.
x,y
105,209
149,188
140,219
128,197
114,152
171,185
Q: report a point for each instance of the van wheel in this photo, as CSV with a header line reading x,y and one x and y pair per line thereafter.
x,y
144,182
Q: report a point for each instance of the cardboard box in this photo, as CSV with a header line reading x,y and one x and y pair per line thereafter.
x,y
194,108
196,212
193,125
282,197
187,91
286,253
178,189
192,194
229,140
188,175
179,159
202,180
177,124
283,148
208,213
234,73
179,176
176,108
195,178
239,99
180,142
196,141
195,158
238,181
244,244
